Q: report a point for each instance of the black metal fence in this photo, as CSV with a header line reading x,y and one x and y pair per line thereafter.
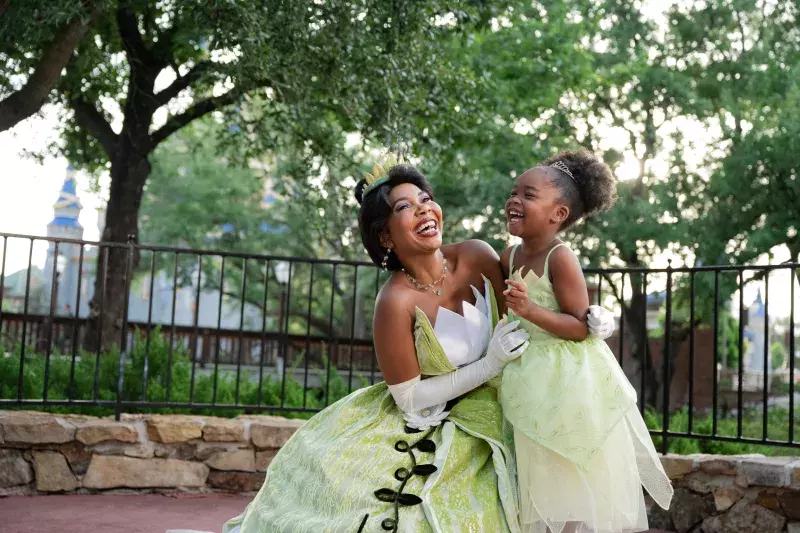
x,y
710,355
716,361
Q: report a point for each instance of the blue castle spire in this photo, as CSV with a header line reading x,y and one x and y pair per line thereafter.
x,y
757,308
68,206
66,264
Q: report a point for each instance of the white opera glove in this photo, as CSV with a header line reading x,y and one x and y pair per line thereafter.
x,y
601,322
423,401
507,343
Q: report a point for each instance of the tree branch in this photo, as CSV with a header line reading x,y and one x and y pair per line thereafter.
x,y
761,274
763,22
198,110
183,82
617,121
618,296
29,99
90,119
649,134
166,40
665,108
3,6
738,18
138,53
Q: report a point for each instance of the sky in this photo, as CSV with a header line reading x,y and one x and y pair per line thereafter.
x,y
28,189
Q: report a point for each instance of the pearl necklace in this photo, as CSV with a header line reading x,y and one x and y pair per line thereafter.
x,y
429,286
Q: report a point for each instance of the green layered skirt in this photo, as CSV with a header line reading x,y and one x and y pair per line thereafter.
x,y
357,467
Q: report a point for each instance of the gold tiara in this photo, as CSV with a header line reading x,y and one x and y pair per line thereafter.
x,y
380,173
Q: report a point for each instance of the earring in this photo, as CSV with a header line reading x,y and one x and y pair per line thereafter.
x,y
386,258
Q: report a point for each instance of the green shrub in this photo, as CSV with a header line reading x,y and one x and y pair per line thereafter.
x,y
727,426
157,372
779,355
157,360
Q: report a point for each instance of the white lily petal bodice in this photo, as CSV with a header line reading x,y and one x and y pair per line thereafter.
x,y
464,337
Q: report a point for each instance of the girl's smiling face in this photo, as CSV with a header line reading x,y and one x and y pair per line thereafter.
x,y
534,205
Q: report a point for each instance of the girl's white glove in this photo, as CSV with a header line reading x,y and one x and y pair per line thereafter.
x,y
601,322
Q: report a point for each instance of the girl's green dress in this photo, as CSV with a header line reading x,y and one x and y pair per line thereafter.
x,y
583,451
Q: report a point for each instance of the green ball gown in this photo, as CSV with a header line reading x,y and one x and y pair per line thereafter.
x,y
360,466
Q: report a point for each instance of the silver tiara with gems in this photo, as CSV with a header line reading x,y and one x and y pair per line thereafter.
x,y
563,168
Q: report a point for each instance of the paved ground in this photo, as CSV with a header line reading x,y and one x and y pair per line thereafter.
x,y
120,513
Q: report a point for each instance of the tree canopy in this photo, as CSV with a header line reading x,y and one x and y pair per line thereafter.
x,y
285,73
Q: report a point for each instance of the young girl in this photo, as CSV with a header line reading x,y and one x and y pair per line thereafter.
x,y
583,450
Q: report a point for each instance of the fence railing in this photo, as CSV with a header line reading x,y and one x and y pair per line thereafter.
x,y
710,350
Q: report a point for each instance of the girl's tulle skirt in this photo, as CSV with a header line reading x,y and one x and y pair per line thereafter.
x,y
583,450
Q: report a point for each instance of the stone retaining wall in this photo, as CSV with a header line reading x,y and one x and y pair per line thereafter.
x,y
731,494
42,453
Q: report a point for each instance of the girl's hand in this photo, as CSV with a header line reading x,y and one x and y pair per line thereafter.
x,y
601,322
517,299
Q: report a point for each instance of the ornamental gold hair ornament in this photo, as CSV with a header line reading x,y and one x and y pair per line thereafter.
x,y
559,165
380,173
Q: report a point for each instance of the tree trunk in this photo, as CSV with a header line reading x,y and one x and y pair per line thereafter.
x,y
129,172
636,332
794,251
29,99
678,334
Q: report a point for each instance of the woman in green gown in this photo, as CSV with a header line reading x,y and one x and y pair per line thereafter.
x,y
428,450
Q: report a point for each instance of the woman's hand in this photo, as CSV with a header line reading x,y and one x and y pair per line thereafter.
x,y
418,394
517,299
507,343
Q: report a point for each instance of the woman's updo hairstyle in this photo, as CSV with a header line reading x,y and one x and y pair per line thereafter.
x,y
375,210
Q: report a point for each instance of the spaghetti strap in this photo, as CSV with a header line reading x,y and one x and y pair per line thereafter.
x,y
546,273
511,260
